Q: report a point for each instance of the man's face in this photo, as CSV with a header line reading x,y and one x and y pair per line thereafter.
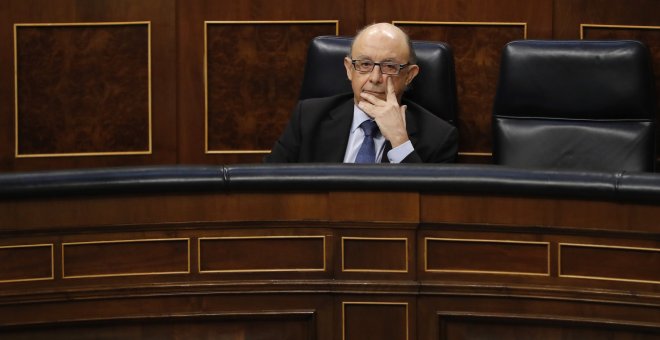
x,y
379,46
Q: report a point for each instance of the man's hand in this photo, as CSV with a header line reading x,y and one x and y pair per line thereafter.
x,y
390,117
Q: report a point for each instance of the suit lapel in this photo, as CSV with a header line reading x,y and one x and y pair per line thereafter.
x,y
333,134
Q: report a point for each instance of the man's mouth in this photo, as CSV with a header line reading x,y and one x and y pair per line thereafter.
x,y
377,94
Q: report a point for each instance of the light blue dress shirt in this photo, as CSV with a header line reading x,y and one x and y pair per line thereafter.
x,y
396,155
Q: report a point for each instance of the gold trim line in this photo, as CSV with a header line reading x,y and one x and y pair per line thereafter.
x,y
64,244
365,270
40,245
260,270
426,266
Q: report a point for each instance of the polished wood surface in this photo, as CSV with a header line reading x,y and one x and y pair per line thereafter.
x,y
83,89
251,91
305,265
102,128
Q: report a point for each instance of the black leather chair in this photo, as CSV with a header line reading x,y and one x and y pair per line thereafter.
x,y
434,88
581,105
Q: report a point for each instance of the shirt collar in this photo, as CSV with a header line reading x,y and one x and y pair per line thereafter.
x,y
358,117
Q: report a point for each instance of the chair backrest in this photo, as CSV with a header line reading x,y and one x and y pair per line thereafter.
x,y
434,88
581,105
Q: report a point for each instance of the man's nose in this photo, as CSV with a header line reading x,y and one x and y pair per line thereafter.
x,y
376,76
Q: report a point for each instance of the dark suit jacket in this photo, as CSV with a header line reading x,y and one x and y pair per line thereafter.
x,y
319,128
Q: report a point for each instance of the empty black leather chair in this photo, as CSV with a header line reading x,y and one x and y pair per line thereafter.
x,y
582,105
434,88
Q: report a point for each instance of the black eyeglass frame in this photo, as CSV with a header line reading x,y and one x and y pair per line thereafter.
x,y
401,66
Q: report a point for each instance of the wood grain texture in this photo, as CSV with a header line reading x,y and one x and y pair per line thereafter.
x,y
457,326
487,256
26,263
125,257
254,72
105,238
366,254
99,211
191,106
570,14
276,254
376,320
209,327
519,211
83,89
161,14
607,262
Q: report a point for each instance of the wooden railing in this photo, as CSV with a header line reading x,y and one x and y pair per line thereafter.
x,y
329,252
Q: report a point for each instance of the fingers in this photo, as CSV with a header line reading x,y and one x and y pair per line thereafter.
x,y
369,97
390,90
367,107
403,114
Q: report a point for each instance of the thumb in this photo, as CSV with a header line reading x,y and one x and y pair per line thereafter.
x,y
403,114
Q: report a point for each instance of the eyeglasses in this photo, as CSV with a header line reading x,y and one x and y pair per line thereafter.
x,y
366,66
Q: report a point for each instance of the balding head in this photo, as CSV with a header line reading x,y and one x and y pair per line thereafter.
x,y
377,44
389,30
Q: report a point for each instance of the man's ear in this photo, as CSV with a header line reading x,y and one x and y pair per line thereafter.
x,y
413,70
348,64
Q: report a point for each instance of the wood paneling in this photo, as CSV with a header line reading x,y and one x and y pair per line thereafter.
x,y
570,14
375,320
26,263
475,317
515,327
125,257
282,326
254,72
518,211
250,257
99,211
83,89
101,132
276,254
487,256
607,262
364,254
274,93
390,206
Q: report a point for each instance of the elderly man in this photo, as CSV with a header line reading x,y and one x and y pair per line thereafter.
x,y
371,125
